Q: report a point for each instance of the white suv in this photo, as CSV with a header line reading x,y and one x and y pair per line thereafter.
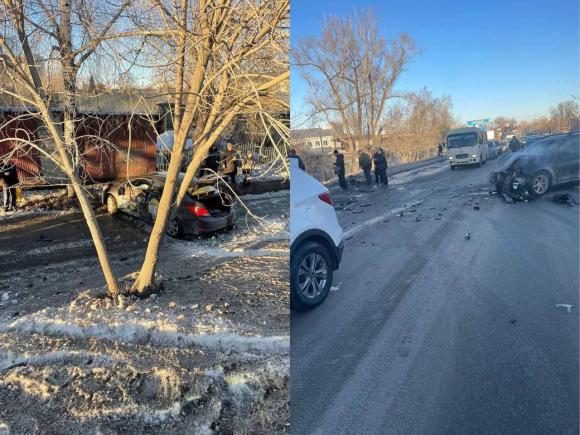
x,y
315,237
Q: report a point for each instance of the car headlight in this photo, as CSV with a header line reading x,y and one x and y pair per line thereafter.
x,y
450,158
474,156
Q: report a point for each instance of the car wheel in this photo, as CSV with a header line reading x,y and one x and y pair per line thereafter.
x,y
479,163
452,168
174,228
112,206
310,275
541,183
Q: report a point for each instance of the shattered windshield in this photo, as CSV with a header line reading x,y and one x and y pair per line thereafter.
x,y
461,140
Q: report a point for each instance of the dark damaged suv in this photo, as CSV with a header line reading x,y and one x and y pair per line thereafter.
x,y
545,163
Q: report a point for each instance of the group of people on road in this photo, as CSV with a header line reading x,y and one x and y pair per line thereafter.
x,y
378,161
365,162
8,183
228,162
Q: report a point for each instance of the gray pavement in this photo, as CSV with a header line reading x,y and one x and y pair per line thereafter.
x,y
427,332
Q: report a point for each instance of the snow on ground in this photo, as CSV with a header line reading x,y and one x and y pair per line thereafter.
x,y
257,235
89,317
208,354
265,172
407,176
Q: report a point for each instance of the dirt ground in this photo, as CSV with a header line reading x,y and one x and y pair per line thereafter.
x,y
209,354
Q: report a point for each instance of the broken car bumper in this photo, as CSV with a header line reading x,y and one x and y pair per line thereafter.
x,y
510,183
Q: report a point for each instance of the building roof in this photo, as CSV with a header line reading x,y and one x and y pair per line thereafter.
x,y
307,133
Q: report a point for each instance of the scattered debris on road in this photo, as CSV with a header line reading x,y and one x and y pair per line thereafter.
x,y
567,306
564,198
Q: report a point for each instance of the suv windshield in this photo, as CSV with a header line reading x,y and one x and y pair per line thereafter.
x,y
461,140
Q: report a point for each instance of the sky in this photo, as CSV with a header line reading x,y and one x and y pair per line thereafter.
x,y
510,58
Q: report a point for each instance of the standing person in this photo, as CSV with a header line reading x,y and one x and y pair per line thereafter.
x,y
10,177
4,186
439,150
292,155
382,166
376,165
247,167
365,163
229,164
212,161
339,169
515,144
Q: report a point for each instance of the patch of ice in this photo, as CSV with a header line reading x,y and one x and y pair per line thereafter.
x,y
9,359
61,246
140,331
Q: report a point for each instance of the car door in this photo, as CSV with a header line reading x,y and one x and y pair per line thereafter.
x,y
564,158
571,163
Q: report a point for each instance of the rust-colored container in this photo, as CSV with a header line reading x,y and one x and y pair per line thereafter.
x,y
116,146
14,126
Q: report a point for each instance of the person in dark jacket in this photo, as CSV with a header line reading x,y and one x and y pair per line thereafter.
x,y
229,164
365,163
381,166
515,144
440,150
375,157
4,187
339,169
10,177
212,161
292,155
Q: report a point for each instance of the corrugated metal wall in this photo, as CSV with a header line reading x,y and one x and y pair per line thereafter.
x,y
25,157
111,150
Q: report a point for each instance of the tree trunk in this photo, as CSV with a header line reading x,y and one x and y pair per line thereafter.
x,y
144,284
97,236
70,70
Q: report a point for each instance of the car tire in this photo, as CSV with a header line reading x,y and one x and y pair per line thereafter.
x,y
479,163
541,183
112,206
308,258
174,228
452,168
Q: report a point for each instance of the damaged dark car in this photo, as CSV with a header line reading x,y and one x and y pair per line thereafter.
x,y
206,208
551,161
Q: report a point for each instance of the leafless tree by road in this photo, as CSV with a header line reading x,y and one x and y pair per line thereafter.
x,y
222,59
37,35
352,71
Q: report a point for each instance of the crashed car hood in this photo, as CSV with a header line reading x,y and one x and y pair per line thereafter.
x,y
507,162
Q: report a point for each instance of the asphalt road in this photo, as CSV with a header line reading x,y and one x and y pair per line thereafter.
x,y
427,332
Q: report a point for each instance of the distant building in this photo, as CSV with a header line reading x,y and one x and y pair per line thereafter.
x,y
314,138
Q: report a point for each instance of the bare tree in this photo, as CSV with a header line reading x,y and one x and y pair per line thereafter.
x,y
351,71
67,32
565,116
231,59
417,124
